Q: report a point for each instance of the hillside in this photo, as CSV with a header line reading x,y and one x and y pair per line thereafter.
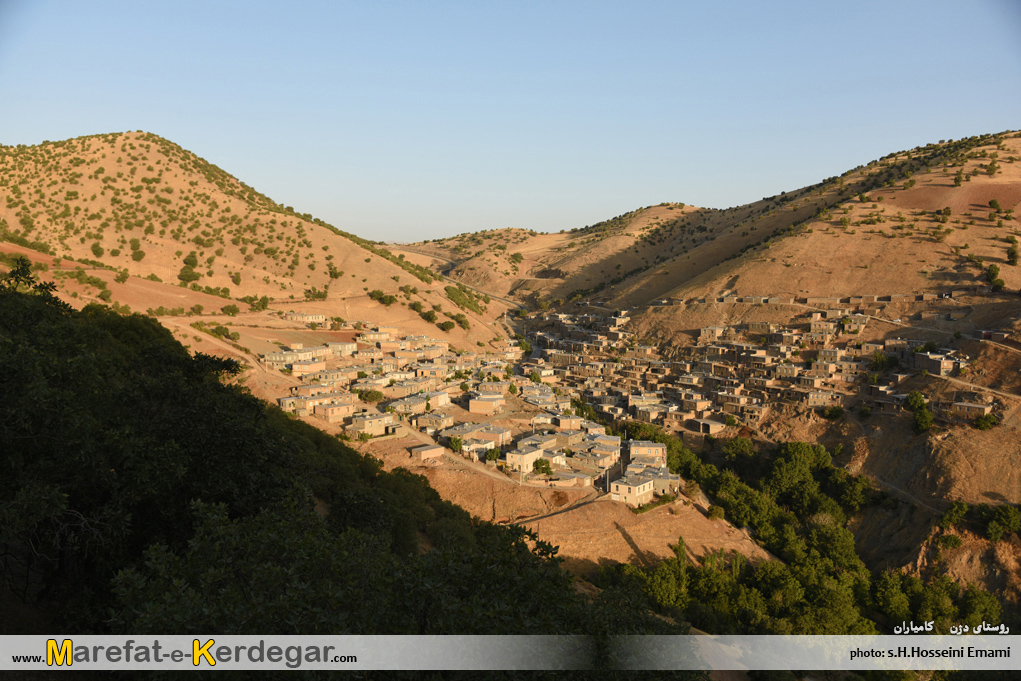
x,y
925,220
134,206
136,222
832,238
145,491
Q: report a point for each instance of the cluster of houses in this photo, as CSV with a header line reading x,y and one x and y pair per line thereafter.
x,y
579,452
419,377
862,300
378,349
734,373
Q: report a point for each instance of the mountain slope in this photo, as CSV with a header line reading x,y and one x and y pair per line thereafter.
x,y
143,206
835,237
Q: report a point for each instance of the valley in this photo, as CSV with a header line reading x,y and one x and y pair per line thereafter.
x,y
621,389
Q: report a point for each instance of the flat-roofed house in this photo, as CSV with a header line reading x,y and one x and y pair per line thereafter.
x,y
523,459
334,413
427,452
308,366
633,491
485,404
645,448
433,421
971,409
371,423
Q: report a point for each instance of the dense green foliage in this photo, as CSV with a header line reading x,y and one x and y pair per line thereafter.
x,y
796,504
995,522
381,297
923,417
464,298
7,235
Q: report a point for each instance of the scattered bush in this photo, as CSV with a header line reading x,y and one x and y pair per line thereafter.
x,y
986,421
832,413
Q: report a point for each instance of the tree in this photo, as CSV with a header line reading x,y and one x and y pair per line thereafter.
x,y
455,444
915,401
492,454
371,396
447,326
994,204
890,597
230,309
542,467
512,389
534,377
923,420
187,274
953,515
738,448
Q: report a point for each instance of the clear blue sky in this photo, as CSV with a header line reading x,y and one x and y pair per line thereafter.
x,y
407,121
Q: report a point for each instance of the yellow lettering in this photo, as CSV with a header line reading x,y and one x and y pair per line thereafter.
x,y
198,652
61,654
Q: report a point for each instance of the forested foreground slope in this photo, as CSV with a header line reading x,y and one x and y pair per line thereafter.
x,y
133,471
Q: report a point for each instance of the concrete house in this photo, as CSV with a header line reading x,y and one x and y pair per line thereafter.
x,y
372,423
970,409
305,318
495,435
638,448
633,491
416,404
437,398
523,459
427,452
494,387
485,404
307,366
334,413
433,421
539,441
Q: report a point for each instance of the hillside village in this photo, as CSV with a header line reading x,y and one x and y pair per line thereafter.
x,y
533,398
384,385
489,362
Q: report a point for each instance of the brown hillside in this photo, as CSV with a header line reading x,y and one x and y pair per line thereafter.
x,y
874,230
138,204
874,227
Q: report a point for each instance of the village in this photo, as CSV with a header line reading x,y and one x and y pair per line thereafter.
x,y
517,410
